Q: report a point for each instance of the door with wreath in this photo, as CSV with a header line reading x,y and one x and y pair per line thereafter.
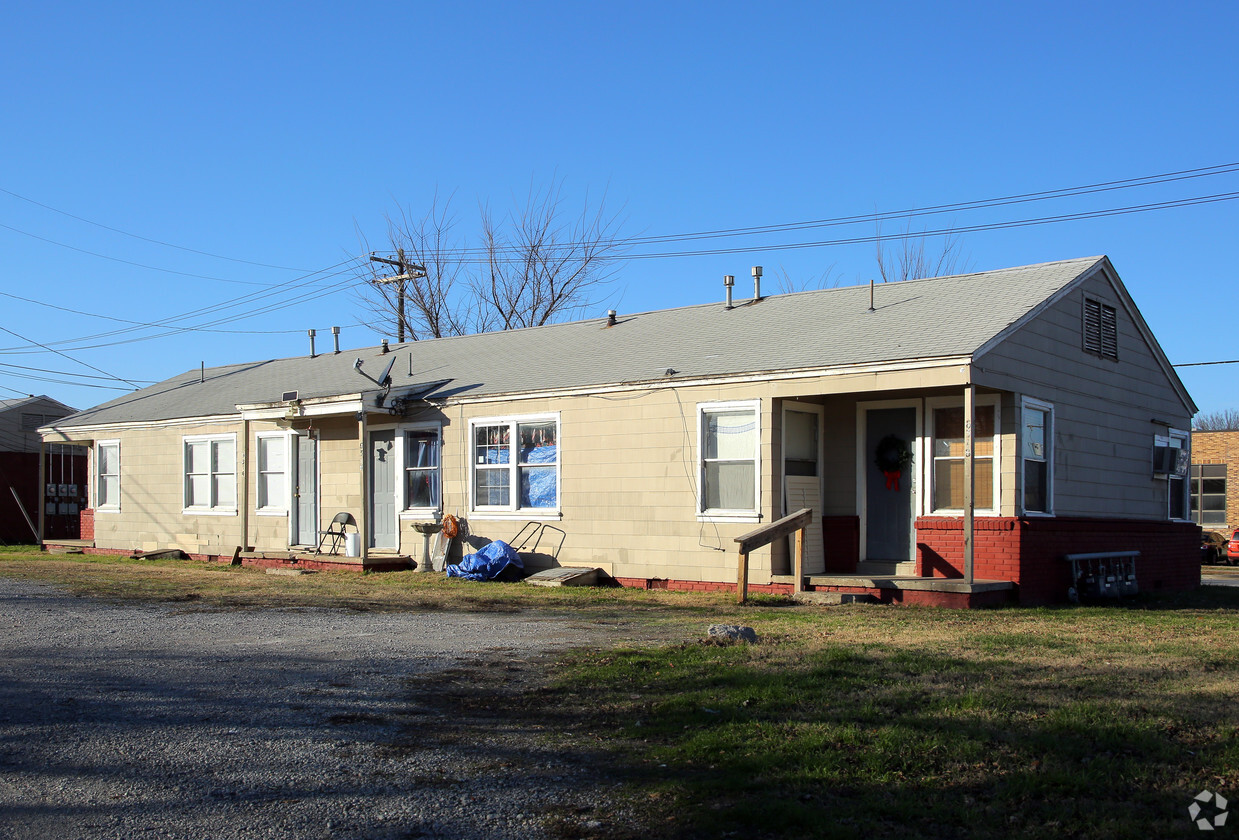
x,y
889,484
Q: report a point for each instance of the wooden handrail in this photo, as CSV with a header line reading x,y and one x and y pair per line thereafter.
x,y
792,523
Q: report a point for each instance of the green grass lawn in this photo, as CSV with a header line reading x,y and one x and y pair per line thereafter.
x,y
858,721
907,722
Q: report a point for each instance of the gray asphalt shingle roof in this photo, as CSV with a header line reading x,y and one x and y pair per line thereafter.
x,y
917,319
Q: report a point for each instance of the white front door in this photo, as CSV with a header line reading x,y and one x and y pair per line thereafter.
x,y
383,489
305,490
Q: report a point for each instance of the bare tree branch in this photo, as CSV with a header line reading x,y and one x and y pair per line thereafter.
x,y
1223,420
826,279
535,265
907,259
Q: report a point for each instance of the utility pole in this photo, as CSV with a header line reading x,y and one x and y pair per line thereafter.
x,y
408,271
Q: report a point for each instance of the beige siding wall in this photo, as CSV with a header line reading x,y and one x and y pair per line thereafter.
x,y
152,495
628,491
1103,436
151,513
339,468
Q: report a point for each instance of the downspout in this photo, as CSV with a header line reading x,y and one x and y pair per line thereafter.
x,y
364,472
42,495
970,435
245,484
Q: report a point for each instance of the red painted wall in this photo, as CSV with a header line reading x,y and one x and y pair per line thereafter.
x,y
841,542
20,471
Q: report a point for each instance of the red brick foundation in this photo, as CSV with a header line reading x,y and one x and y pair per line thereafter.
x,y
322,564
700,585
1029,552
87,519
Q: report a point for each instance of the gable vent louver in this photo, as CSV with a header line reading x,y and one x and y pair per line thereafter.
x,y
1100,329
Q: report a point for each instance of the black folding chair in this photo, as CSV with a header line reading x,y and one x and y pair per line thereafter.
x,y
336,532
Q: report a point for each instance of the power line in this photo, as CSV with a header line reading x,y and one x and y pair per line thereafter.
x,y
280,288
1202,364
75,384
144,238
1065,192
128,262
130,321
70,358
67,373
951,231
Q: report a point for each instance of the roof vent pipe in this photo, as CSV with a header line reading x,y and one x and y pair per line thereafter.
x,y
385,349
311,332
335,333
611,317
757,282
729,280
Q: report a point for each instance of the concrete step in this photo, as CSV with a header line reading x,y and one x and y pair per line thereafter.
x,y
886,568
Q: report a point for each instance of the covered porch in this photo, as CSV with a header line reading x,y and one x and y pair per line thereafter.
x,y
876,464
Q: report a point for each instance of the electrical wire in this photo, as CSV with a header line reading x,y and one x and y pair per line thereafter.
x,y
950,231
223,306
1019,198
144,238
67,373
129,262
70,358
134,323
66,381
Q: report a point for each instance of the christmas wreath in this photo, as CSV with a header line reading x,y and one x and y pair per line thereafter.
x,y
892,457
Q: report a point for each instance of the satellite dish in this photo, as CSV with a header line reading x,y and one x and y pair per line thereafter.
x,y
386,375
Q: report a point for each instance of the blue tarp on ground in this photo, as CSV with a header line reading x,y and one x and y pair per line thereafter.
x,y
489,563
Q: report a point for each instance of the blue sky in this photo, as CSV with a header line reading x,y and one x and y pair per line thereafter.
x,y
272,134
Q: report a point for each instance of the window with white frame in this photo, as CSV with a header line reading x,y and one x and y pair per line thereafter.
x,y
1172,459
948,440
516,463
1036,449
273,473
211,474
421,469
107,475
729,457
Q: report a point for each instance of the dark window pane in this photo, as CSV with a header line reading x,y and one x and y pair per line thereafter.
x,y
1035,486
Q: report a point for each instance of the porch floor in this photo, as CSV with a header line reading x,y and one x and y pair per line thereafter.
x,y
909,589
307,559
910,582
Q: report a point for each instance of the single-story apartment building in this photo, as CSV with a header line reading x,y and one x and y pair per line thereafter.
x,y
653,440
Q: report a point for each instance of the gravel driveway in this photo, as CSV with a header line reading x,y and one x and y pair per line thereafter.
x,y
167,720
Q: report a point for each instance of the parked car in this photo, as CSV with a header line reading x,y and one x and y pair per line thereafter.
x,y
1212,548
1232,549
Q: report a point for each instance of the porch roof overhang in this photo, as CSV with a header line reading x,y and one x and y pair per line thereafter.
x,y
341,404
386,400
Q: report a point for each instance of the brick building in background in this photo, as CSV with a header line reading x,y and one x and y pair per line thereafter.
x,y
1215,480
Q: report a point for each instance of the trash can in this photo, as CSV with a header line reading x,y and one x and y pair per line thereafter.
x,y
352,545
